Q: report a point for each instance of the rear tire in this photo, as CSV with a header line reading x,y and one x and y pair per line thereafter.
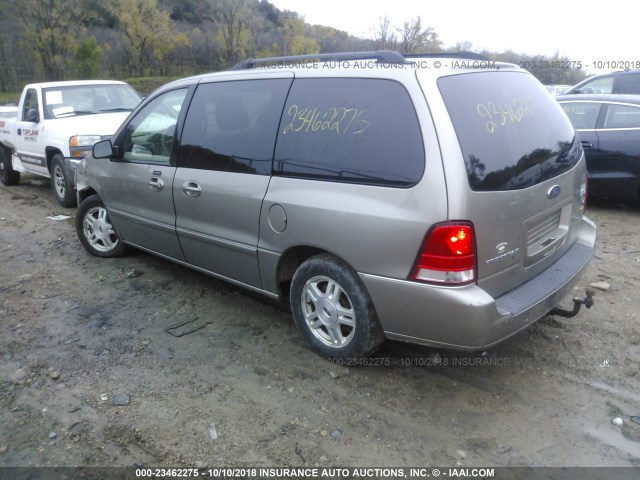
x,y
333,310
95,231
8,176
61,182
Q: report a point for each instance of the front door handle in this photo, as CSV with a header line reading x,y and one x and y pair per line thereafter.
x,y
586,144
156,184
191,189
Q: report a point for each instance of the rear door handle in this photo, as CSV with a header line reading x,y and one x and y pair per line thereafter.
x,y
191,189
156,184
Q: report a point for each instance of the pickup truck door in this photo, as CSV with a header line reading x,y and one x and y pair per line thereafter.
x,y
137,186
28,135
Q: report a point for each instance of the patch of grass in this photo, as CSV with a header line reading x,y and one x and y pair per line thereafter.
x,y
145,85
9,97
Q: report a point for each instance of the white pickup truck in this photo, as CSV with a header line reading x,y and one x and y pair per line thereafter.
x,y
56,125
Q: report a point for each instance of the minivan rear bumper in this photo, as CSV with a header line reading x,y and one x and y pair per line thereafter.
x,y
468,318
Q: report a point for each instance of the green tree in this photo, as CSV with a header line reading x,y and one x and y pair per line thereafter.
x,y
293,40
556,69
232,18
88,58
148,36
49,33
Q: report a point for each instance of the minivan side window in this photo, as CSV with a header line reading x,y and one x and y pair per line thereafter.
x,y
350,130
149,135
232,126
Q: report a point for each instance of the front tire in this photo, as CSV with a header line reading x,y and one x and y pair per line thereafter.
x,y
8,176
95,231
61,182
333,310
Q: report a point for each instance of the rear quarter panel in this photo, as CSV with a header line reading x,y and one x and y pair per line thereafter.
x,y
376,230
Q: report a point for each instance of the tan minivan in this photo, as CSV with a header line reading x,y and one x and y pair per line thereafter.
x,y
430,200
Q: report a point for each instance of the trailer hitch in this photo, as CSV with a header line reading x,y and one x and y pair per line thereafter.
x,y
577,303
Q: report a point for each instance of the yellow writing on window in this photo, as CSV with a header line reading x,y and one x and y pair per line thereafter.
x,y
503,113
338,120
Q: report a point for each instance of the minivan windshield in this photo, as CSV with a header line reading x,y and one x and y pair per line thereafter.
x,y
513,134
70,101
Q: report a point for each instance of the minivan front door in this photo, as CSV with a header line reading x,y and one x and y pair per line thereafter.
x,y
139,192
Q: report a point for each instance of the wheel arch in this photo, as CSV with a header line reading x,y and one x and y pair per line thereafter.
x,y
289,262
8,151
50,152
86,193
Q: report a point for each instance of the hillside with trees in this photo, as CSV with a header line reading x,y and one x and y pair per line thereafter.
x,y
44,40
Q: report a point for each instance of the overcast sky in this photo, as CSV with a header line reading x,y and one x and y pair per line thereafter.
x,y
584,31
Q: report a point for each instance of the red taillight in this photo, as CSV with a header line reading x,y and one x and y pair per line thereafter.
x,y
584,188
448,255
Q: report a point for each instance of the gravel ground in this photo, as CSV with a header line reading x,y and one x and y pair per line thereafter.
x,y
89,375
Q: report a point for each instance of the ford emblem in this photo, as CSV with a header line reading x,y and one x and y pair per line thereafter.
x,y
554,191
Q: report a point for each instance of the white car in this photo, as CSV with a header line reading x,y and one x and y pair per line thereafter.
x,y
557,89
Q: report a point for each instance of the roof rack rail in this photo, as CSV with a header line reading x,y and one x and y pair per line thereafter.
x,y
382,56
462,55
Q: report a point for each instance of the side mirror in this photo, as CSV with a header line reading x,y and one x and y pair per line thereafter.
x,y
103,149
32,116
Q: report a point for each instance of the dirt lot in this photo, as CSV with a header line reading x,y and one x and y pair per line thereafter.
x,y
88,375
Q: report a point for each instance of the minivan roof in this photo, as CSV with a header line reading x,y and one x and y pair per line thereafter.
x,y
381,56
467,60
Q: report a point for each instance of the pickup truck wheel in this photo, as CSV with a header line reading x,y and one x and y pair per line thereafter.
x,y
61,182
95,231
333,310
8,176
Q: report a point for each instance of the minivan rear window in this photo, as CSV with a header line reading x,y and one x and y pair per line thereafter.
x,y
513,134
349,130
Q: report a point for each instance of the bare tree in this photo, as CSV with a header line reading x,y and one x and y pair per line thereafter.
x,y
415,39
464,46
383,36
